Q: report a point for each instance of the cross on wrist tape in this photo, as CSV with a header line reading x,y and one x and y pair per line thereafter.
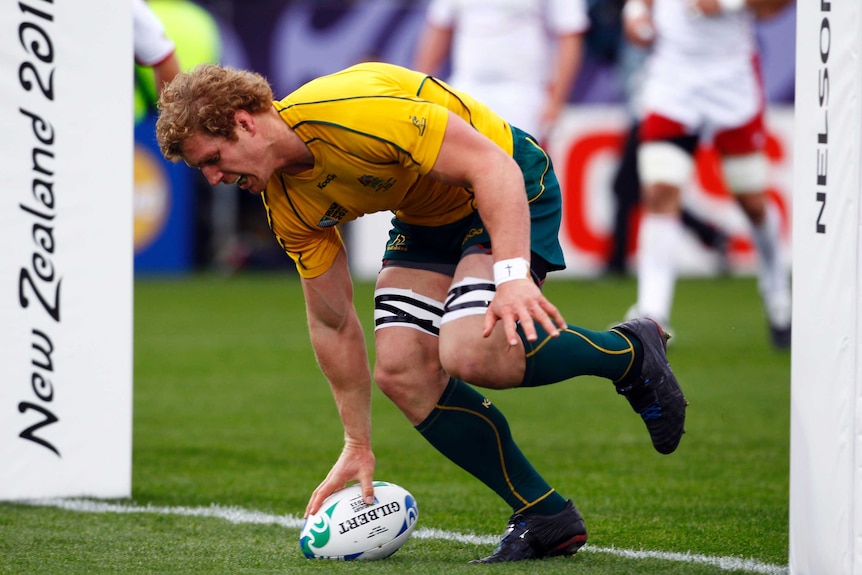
x,y
513,269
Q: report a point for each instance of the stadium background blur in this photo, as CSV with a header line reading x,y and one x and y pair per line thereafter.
x,y
182,226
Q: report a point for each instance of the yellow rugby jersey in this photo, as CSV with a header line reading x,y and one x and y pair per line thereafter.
x,y
374,130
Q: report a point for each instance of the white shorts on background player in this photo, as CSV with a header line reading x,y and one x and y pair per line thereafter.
x,y
703,71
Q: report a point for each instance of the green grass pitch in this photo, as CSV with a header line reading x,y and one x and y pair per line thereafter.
x,y
231,410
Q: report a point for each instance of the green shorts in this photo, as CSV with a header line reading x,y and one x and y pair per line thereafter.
x,y
440,248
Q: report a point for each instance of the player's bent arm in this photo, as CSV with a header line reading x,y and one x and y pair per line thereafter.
x,y
468,158
165,71
567,64
339,346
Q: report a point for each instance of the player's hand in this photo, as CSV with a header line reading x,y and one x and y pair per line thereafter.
x,y
549,115
522,301
356,463
638,24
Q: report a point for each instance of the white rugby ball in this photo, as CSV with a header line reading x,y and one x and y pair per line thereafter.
x,y
347,529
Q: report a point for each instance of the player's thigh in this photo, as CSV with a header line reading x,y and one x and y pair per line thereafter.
x,y
465,353
408,307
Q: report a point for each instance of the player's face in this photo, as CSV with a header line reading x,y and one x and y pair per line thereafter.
x,y
224,161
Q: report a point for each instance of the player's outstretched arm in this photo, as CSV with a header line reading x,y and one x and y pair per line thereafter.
x,y
339,345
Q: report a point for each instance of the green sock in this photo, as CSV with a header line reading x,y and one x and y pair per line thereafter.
x,y
466,428
579,351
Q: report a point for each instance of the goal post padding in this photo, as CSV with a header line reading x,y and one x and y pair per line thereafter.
x,y
66,272
826,373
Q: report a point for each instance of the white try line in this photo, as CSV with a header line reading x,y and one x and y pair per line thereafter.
x,y
239,515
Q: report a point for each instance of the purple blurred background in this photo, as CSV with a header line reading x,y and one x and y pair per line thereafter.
x,y
293,41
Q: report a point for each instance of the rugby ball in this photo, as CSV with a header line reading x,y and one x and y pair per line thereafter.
x,y
347,529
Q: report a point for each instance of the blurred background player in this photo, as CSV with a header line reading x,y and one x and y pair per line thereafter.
x,y
520,57
192,35
170,36
626,184
702,82
154,50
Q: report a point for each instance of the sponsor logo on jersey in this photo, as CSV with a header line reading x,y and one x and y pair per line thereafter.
x,y
326,181
472,233
333,216
419,123
399,244
375,183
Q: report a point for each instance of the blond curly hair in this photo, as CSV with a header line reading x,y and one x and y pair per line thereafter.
x,y
205,100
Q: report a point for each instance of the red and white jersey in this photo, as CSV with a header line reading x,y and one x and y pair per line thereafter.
x,y
685,34
703,71
152,46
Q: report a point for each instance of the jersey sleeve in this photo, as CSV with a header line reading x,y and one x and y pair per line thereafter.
x,y
313,252
315,255
568,16
441,13
152,46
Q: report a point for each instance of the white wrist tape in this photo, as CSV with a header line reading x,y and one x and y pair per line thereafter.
x,y
634,9
732,5
513,269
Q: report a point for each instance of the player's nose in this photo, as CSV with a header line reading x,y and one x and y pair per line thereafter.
x,y
212,174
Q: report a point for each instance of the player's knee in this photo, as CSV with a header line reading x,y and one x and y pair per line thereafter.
x,y
406,382
394,385
661,199
415,393
478,360
464,365
457,354
754,206
745,174
664,163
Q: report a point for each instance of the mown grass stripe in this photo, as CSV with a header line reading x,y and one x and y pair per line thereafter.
x,y
240,515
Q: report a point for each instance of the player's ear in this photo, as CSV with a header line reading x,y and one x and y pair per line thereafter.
x,y
244,121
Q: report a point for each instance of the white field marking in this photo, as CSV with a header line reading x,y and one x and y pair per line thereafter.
x,y
239,515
